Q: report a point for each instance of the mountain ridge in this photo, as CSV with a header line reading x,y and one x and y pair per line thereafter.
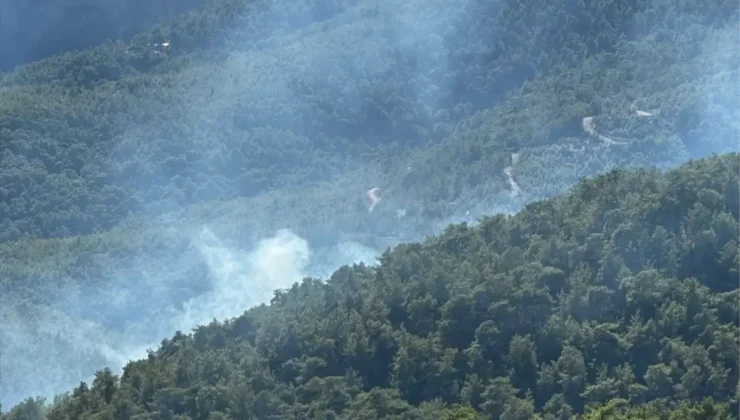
x,y
137,173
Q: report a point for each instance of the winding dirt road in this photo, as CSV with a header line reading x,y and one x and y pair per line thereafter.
x,y
590,128
509,171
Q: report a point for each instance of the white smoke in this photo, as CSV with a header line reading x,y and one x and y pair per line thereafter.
x,y
242,280
46,350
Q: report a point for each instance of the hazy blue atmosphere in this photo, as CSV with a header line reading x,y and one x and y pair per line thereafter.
x,y
176,162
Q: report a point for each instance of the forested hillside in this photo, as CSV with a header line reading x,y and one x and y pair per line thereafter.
x,y
34,30
619,298
353,96
176,162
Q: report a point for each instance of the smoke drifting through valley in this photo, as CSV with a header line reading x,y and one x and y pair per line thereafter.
x,y
243,281
257,92
49,351
49,347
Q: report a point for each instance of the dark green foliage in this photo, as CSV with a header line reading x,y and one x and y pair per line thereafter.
x,y
94,136
616,298
472,329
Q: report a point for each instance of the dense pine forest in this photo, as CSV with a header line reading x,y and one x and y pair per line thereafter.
x,y
619,298
366,210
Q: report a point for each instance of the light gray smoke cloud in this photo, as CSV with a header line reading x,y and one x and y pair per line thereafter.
x,y
48,350
258,83
239,280
720,96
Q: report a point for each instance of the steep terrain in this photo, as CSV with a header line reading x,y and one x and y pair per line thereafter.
x,y
35,30
620,296
154,182
352,99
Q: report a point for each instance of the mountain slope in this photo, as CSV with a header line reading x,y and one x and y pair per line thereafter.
x,y
33,31
624,288
353,93
145,183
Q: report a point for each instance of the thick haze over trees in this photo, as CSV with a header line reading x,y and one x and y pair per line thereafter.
x,y
213,151
33,30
